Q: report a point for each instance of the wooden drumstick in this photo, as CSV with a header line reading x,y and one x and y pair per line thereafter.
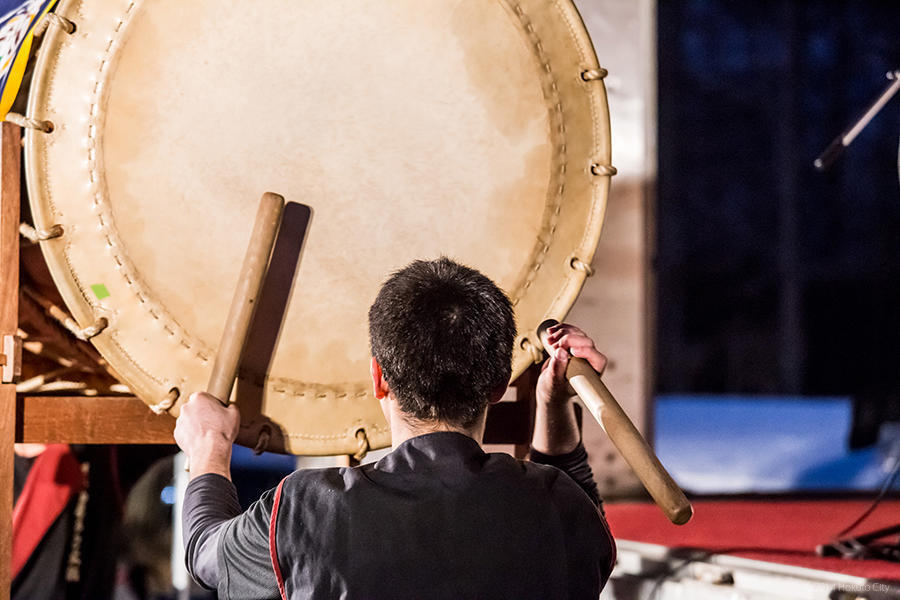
x,y
250,282
623,434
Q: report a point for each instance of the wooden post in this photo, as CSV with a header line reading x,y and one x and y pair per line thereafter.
x,y
10,161
525,397
90,420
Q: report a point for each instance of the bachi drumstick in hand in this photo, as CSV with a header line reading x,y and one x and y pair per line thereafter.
x,y
246,294
623,434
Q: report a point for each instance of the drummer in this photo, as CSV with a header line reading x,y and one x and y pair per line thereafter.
x,y
437,517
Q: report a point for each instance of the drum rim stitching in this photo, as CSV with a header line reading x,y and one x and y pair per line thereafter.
x,y
597,116
371,427
576,34
111,334
98,182
597,99
100,201
311,389
596,119
350,434
559,159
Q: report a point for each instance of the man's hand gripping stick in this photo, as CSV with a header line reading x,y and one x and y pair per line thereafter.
x,y
623,434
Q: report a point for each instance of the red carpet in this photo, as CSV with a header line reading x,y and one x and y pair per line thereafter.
x,y
781,531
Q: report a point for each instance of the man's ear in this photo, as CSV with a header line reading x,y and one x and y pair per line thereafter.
x,y
380,386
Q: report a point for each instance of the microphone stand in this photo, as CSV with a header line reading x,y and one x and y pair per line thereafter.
x,y
836,147
866,545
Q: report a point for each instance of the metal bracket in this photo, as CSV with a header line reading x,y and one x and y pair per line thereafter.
x,y
11,359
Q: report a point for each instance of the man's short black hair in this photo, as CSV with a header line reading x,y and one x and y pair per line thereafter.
x,y
443,335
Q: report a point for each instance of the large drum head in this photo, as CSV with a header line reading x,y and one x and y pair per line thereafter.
x,y
413,129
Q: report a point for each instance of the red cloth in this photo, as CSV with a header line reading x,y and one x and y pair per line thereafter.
x,y
780,531
54,478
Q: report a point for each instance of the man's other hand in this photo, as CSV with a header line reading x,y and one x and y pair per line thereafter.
x,y
556,430
565,340
205,431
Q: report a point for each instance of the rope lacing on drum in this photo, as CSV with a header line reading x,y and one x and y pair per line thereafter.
x,y
579,265
82,333
54,19
166,404
86,333
362,445
603,170
63,318
594,74
29,123
537,355
39,235
262,441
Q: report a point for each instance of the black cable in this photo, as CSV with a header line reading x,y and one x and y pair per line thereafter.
x,y
889,482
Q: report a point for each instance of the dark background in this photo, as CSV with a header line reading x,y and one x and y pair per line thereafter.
x,y
771,276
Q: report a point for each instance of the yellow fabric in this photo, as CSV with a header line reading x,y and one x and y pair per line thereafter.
x,y
17,71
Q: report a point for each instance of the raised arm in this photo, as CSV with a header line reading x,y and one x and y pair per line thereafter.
x,y
225,549
205,431
557,439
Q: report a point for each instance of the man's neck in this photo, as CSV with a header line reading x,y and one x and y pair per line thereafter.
x,y
403,428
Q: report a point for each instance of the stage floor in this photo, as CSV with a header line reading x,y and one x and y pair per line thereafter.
x,y
777,532
781,531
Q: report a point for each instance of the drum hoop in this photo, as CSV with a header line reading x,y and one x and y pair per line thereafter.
x,y
557,87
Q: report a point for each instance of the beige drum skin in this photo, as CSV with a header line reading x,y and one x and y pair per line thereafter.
x,y
476,129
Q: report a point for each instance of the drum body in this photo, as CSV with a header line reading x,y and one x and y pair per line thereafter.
x,y
413,129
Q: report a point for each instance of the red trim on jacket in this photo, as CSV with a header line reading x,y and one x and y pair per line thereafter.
x,y
273,551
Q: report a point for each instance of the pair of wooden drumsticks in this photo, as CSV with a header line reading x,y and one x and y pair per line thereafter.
x,y
584,380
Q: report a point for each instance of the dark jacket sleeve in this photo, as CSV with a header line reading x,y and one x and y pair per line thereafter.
x,y
226,549
209,501
575,465
591,549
